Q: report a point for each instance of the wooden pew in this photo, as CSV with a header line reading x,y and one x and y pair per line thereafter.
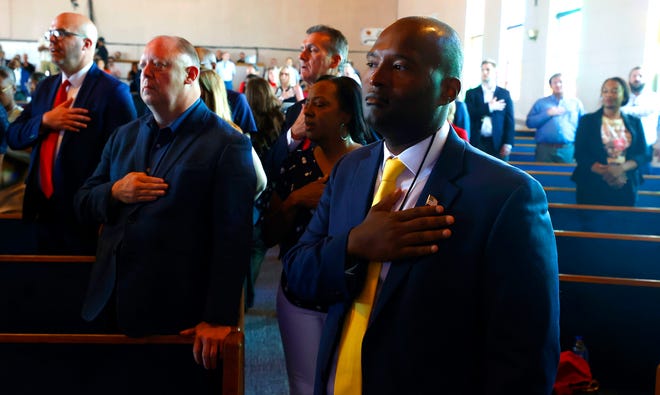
x,y
567,195
529,164
609,293
605,219
41,331
116,364
43,291
16,236
548,166
563,179
521,156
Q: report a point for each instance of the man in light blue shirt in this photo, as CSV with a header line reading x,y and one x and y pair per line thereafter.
x,y
555,119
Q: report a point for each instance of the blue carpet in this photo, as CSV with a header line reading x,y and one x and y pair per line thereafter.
x,y
265,371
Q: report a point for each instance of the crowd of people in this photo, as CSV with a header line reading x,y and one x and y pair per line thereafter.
x,y
389,199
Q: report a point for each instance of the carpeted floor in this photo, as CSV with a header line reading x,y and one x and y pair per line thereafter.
x,y
265,372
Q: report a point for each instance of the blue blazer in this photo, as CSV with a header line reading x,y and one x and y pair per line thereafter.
x,y
481,316
503,121
182,258
110,105
4,124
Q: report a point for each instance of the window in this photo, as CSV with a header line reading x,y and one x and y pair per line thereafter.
x,y
564,42
511,47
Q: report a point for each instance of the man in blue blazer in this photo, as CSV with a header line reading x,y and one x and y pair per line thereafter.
x,y
492,126
97,104
467,297
174,192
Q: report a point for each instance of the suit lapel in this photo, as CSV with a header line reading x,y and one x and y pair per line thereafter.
x,y
367,170
441,186
84,96
87,87
186,133
142,145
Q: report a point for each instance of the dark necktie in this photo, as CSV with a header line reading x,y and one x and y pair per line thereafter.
x,y
47,152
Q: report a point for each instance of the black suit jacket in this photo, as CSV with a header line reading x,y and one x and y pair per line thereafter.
x,y
182,258
503,121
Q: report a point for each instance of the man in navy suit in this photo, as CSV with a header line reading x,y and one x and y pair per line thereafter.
x,y
96,105
174,191
466,301
324,51
491,114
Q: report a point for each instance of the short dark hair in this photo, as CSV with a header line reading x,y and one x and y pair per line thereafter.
x,y
633,69
624,86
489,61
552,77
339,43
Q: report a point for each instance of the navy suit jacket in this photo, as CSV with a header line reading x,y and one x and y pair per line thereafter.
x,y
480,316
589,150
182,258
503,121
110,105
4,124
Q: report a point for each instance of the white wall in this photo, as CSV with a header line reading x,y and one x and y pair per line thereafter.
x,y
277,27
614,37
613,40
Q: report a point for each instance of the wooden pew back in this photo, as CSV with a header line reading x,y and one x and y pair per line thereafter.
x,y
605,219
609,293
41,333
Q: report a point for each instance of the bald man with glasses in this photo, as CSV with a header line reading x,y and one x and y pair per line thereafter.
x,y
71,116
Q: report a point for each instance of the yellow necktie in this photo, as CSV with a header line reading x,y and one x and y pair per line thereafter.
x,y
348,379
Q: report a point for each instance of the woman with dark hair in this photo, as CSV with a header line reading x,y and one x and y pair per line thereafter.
x,y
267,113
334,122
609,149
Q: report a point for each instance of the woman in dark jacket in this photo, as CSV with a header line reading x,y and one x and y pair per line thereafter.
x,y
610,148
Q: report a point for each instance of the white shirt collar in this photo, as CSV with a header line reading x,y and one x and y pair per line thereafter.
x,y
77,78
413,156
488,87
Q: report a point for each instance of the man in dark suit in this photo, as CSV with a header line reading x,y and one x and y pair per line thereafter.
x,y
174,191
323,51
466,284
492,126
95,105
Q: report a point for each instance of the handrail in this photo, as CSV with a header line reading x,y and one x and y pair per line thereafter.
x,y
549,173
596,207
635,282
528,163
47,258
572,189
609,236
91,338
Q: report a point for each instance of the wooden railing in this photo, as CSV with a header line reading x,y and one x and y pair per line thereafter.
x,y
41,296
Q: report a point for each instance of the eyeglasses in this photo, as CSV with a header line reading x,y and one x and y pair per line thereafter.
x,y
60,34
6,88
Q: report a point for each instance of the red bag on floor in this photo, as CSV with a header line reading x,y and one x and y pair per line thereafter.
x,y
573,375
